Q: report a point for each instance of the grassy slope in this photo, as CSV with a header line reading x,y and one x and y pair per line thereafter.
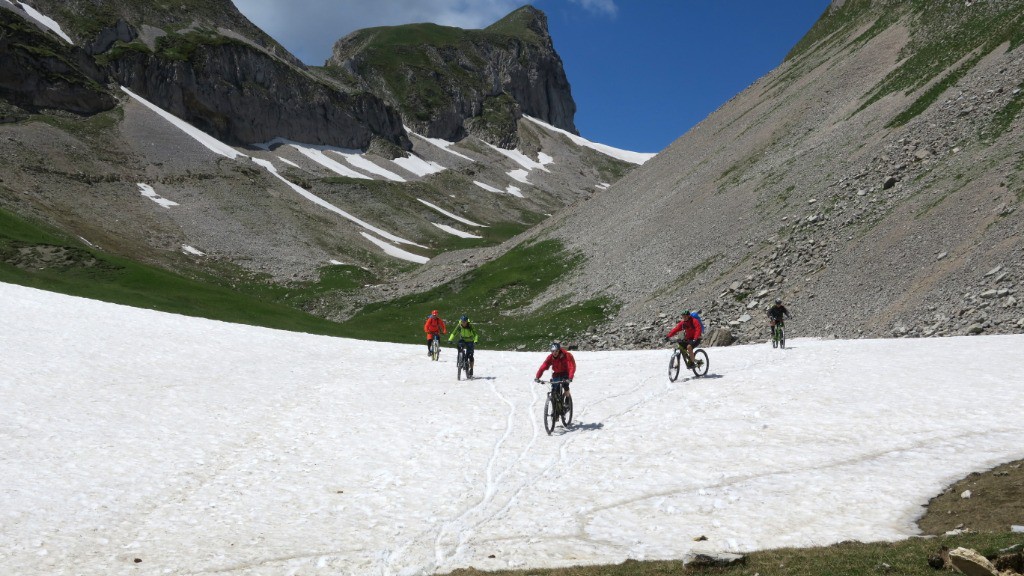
x,y
32,254
510,282
50,261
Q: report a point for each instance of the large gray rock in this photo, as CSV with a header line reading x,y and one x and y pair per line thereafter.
x,y
971,563
719,337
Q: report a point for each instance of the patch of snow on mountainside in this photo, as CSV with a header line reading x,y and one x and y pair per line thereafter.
x,y
203,138
148,191
624,155
450,215
523,160
46,21
394,251
455,231
419,166
442,144
325,204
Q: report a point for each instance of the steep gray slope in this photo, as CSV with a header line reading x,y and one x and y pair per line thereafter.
x,y
871,211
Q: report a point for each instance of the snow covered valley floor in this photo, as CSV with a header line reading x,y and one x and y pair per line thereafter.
x,y
137,442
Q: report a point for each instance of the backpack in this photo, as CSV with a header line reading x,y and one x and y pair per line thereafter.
x,y
699,320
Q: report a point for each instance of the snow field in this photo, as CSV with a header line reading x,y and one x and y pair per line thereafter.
x,y
196,446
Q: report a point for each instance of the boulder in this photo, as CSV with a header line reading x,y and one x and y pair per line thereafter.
x,y
971,563
719,337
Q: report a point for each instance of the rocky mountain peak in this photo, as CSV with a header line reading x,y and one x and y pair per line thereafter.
x,y
450,83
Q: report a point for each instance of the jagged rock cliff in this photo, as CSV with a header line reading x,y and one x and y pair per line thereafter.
x,y
450,82
38,71
207,64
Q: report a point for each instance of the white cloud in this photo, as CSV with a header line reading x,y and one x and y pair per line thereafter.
x,y
599,6
309,28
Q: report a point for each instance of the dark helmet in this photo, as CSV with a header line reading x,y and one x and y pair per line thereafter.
x,y
778,300
463,318
686,312
556,346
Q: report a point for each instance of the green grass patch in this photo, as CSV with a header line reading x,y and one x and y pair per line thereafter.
x,y
933,93
1002,119
942,34
34,255
510,282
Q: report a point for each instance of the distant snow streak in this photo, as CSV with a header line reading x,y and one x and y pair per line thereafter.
x,y
394,251
624,155
45,20
524,160
419,166
455,231
452,216
203,138
442,144
147,191
325,204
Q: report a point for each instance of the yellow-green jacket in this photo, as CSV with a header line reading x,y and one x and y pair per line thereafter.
x,y
467,333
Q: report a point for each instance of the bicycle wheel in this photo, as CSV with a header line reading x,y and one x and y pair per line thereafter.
x,y
435,349
460,365
550,415
673,366
567,411
700,362
782,337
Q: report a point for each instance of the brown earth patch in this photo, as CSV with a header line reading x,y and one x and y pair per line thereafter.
x,y
996,502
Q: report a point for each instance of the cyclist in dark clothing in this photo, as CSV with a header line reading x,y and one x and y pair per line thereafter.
x,y
775,316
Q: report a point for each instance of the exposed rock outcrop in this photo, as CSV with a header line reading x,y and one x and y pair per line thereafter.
x,y
210,66
38,71
242,96
450,82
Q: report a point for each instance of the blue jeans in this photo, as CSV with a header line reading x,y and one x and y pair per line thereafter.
x,y
559,383
468,346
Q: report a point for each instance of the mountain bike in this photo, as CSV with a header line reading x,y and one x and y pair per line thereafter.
x,y
558,406
699,367
779,335
435,347
464,364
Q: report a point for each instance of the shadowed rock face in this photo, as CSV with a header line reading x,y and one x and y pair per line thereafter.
x,y
450,82
209,65
243,96
52,75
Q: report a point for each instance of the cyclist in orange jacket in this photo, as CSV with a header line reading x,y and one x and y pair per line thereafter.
x,y
692,332
434,327
563,368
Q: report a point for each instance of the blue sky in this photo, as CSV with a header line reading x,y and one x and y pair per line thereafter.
x,y
643,72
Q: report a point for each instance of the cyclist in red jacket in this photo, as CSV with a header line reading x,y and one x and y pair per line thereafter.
x,y
434,326
563,368
692,332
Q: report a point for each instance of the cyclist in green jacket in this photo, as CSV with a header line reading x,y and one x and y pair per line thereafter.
x,y
468,337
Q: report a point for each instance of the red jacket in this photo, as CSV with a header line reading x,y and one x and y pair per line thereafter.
x,y
562,367
689,327
434,324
